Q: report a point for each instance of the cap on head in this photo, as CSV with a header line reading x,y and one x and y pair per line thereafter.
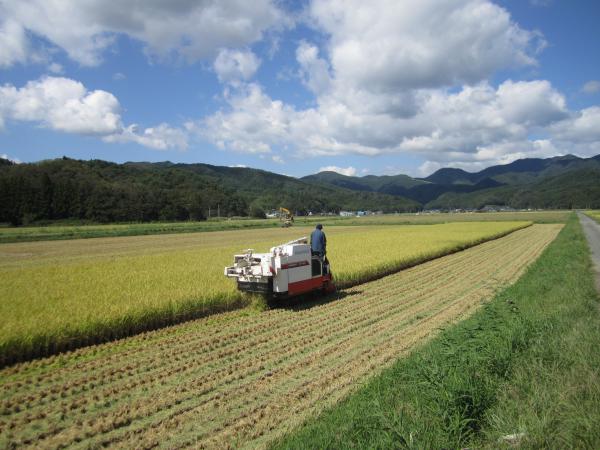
x,y
319,226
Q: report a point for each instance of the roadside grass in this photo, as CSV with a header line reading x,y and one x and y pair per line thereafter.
x,y
63,231
594,215
526,364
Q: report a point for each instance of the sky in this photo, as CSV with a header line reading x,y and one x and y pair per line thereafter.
x,y
362,88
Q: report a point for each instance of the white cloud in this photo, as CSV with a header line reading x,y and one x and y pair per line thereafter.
x,y
591,87
118,76
314,69
476,124
253,124
385,84
56,68
14,48
348,171
62,104
385,45
189,29
581,127
14,160
233,66
161,137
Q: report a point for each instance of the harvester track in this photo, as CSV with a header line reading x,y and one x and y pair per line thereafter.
x,y
242,380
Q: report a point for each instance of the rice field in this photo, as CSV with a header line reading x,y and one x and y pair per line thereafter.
x,y
66,231
237,380
58,295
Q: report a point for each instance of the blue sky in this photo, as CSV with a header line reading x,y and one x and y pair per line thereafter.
x,y
381,87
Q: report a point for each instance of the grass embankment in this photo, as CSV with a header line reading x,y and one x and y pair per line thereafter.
x,y
69,231
63,295
594,215
527,365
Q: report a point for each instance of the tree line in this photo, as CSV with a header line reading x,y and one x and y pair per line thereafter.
x,y
105,192
95,191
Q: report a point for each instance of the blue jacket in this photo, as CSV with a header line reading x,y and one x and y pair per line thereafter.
x,y
318,241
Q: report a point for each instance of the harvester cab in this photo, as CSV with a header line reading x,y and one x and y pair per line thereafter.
x,y
285,271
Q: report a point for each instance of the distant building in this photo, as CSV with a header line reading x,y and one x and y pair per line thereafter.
x,y
346,213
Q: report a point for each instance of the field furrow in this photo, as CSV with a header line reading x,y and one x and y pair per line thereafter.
x,y
236,380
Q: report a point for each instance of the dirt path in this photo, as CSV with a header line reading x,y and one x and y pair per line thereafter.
x,y
242,380
591,228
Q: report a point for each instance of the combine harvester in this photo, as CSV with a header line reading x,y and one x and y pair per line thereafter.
x,y
286,217
288,270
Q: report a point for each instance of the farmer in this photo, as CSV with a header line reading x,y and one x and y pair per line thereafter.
x,y
318,242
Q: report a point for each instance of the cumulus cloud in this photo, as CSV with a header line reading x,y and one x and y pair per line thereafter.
x,y
348,171
62,104
581,127
233,66
189,29
14,160
56,68
161,137
253,124
386,45
591,87
474,125
384,84
14,48
314,69
65,105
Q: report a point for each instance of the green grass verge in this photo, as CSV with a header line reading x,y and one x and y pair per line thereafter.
x,y
525,364
73,231
594,215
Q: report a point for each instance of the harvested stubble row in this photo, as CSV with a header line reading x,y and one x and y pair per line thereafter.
x,y
244,380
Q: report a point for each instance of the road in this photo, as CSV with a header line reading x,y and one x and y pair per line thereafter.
x,y
591,228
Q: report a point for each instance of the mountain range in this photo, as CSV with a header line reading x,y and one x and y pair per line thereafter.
x,y
102,191
559,182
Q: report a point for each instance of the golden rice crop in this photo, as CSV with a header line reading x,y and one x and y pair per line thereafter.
x,y
63,294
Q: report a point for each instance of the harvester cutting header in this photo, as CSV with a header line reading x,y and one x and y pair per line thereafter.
x,y
288,269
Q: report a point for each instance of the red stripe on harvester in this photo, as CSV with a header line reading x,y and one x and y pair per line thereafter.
x,y
305,285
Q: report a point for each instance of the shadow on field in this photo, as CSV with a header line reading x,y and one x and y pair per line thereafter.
x,y
307,301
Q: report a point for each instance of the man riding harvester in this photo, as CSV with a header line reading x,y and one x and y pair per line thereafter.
x,y
287,270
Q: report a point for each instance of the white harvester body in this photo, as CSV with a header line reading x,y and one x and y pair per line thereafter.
x,y
286,270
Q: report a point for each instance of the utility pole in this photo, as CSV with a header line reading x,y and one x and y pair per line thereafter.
x,y
209,212
218,210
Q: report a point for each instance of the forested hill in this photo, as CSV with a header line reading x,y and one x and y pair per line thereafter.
x,y
559,182
102,191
